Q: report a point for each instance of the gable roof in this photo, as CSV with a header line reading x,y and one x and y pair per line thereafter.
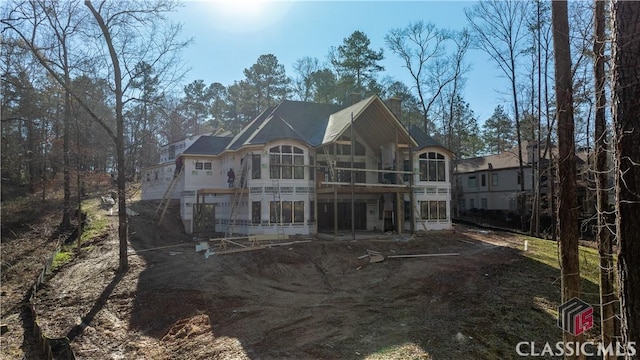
x,y
208,145
319,124
373,120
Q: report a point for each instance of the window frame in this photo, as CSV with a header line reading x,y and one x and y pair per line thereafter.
x,y
474,183
433,210
286,162
298,212
256,166
494,180
432,167
256,220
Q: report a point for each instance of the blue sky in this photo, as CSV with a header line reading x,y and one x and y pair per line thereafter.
x,y
229,36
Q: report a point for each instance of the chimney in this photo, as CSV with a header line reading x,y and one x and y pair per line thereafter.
x,y
354,97
395,105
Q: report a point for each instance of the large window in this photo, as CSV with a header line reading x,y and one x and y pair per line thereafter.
x,y
286,162
256,166
287,210
255,212
291,211
432,167
274,212
298,211
433,210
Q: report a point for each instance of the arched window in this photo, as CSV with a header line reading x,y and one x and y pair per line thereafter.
x,y
286,162
432,167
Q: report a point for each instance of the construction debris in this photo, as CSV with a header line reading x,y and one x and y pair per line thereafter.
x,y
229,246
375,256
421,255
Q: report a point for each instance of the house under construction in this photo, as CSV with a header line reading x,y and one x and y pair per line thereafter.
x,y
307,168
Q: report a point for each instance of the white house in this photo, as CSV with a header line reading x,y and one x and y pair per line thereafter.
x,y
300,166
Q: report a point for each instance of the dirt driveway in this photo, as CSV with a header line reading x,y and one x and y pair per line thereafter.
x,y
314,300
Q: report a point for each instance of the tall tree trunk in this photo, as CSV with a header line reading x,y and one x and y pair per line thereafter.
x,y
603,234
522,205
567,202
120,155
626,125
66,205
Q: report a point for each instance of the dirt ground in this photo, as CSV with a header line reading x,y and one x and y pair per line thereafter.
x,y
313,300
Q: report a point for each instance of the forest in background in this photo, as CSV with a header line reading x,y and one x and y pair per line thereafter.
x,y
96,88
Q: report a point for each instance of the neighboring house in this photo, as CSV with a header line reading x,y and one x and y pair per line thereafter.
x,y
300,179
491,184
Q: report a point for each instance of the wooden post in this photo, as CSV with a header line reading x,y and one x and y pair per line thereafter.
x,y
335,210
399,211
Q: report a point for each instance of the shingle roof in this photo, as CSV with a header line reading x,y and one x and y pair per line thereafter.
x,y
505,160
299,120
208,145
422,138
274,128
317,124
248,130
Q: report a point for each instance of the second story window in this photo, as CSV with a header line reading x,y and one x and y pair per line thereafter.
x,y
494,179
256,166
286,162
472,181
432,167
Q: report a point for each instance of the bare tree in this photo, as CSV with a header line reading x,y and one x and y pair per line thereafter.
x,y
303,85
626,124
603,233
140,33
119,21
55,26
423,49
500,29
567,202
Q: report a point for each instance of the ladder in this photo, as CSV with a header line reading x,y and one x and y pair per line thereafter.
x,y
277,199
237,195
331,161
166,199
